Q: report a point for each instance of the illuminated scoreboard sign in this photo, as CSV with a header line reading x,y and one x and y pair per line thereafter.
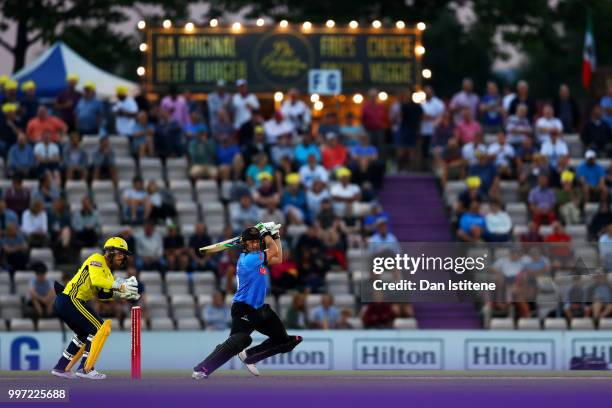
x,y
275,58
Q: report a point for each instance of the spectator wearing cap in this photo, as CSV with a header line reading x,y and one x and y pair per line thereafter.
x,y
35,225
470,194
333,154
175,105
7,216
10,92
554,148
592,177
518,126
523,97
383,240
265,194
149,248
597,134
89,111
376,213
467,127
75,160
86,224
311,171
547,124
464,99
45,123
278,126
125,110
343,192
134,201
142,141
3,80
570,200
373,117
296,111
315,196
243,104
15,248
17,196
202,151
293,200
260,165
168,135
283,148
21,159
305,149
243,214
542,201
103,161
217,100
498,223
67,100
29,102
472,225
48,157
10,127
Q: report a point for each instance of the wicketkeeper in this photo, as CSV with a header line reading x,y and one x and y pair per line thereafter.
x,y
94,278
261,247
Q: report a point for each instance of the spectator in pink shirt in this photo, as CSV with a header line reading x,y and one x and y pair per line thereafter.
x,y
466,98
467,128
176,104
373,117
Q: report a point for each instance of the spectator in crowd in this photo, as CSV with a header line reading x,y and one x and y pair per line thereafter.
x,y
293,200
135,202
296,317
467,127
41,293
21,159
168,135
202,152
305,149
223,128
344,193
86,224
325,316
600,296
312,263
574,299
560,254
284,275
75,159
498,223
491,109
600,220
46,192
89,111
532,234
345,324
17,196
378,314
373,117
472,225
243,104
604,243
149,248
525,153
243,214
365,163
597,134
35,224
411,114
567,109
333,154
175,253
525,286
295,110
444,131
228,156
159,205
10,127
196,125
278,126
60,230
329,123
370,221
312,171
67,100
283,148
470,194
103,161
256,146
29,102
217,100
45,123
199,239
450,162
142,141
518,126
266,195
464,99
472,149
542,201
547,124
554,148
125,110
260,165
352,128
15,248
10,91
569,200
382,240
606,106
315,195
591,176
511,265
485,170
523,97
217,314
175,105
7,216
433,108
48,158
502,153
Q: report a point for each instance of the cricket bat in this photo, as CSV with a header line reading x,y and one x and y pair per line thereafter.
x,y
223,245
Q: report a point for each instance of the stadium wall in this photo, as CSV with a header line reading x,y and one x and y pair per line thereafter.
x,y
332,350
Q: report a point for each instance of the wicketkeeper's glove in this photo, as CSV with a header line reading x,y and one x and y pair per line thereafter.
x,y
125,286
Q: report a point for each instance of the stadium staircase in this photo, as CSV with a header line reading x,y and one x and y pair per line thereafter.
x,y
416,209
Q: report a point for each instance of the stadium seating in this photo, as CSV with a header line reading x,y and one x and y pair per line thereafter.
x,y
183,306
49,325
405,323
203,282
157,305
555,323
177,283
528,324
162,323
501,324
582,323
5,283
10,307
188,323
20,324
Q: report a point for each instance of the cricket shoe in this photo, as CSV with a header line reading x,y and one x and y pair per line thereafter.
x,y
63,374
199,375
92,375
251,367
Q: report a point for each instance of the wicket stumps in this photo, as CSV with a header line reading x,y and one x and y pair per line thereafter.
x,y
136,372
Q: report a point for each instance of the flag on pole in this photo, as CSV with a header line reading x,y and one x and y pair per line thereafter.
x,y
588,54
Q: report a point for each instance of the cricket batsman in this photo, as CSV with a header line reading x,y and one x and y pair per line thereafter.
x,y
94,278
261,247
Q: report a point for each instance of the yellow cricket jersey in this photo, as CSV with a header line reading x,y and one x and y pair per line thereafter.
x,y
93,276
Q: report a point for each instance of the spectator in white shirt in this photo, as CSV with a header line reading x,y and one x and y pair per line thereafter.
x,y
518,126
149,247
344,193
433,108
469,152
315,196
34,224
48,157
218,100
243,104
276,127
312,171
554,148
125,110
135,201
547,124
498,222
502,154
296,111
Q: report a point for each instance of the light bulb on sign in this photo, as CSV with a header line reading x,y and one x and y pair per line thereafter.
x,y
421,26
418,97
189,27
143,47
318,105
376,24
140,71
236,26
142,25
214,22
426,73
284,24
353,24
400,25
260,22
358,98
307,25
330,23
419,50
278,96
383,96
314,97
167,24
